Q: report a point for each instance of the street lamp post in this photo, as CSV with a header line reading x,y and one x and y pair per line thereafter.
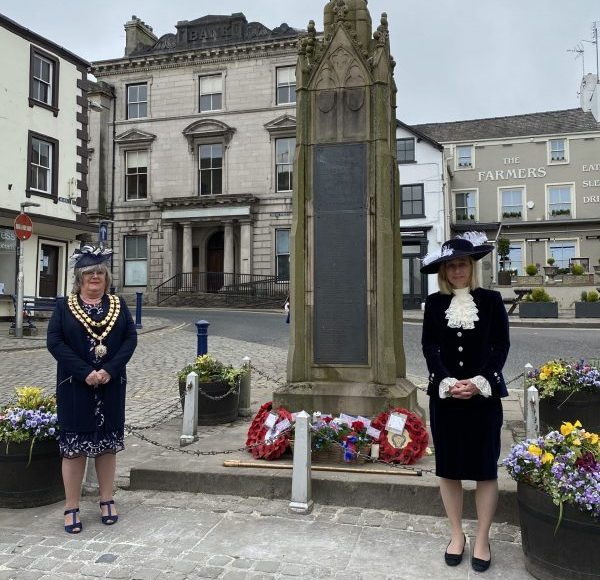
x,y
20,285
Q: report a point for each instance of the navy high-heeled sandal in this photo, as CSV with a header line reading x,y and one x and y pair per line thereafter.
x,y
75,527
111,518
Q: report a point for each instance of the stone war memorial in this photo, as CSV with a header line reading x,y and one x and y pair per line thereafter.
x,y
346,346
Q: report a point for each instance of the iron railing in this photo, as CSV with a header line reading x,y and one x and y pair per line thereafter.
x,y
229,284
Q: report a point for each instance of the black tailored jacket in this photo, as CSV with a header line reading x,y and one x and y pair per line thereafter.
x,y
463,353
68,343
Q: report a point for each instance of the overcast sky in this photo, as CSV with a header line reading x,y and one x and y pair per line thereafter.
x,y
456,59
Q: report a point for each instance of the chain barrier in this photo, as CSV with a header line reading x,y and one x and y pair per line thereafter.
x,y
276,380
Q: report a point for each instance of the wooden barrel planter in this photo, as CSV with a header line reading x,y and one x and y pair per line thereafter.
x,y
570,553
210,411
36,485
584,405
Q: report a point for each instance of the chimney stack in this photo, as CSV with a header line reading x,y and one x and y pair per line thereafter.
x,y
138,35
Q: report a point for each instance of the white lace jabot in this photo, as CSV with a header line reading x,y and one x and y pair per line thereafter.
x,y
462,312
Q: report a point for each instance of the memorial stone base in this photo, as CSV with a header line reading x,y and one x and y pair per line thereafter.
x,y
367,400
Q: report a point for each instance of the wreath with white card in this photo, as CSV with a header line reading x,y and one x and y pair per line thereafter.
x,y
403,437
269,433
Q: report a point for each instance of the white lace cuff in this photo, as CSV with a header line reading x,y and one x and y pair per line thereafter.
x,y
445,386
483,385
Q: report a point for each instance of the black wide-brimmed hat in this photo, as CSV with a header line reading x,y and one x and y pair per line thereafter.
x,y
470,244
89,256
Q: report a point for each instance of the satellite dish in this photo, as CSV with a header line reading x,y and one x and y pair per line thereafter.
x,y
530,204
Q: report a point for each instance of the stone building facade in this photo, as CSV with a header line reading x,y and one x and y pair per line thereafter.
x,y
533,178
192,155
43,160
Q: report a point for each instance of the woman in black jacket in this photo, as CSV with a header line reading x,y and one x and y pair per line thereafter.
x,y
92,336
465,342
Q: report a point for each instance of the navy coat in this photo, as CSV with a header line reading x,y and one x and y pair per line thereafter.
x,y
463,354
68,343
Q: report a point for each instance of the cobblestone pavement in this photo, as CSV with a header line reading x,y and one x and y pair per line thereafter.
x,y
180,535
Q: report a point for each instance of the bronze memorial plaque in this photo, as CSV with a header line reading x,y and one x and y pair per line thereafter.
x,y
340,254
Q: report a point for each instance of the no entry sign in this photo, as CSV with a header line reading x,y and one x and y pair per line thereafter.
x,y
23,226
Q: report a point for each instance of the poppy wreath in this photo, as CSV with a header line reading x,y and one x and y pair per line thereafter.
x,y
260,448
413,450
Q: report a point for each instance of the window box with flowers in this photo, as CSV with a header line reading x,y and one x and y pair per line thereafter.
x,y
218,389
538,304
30,463
567,390
558,492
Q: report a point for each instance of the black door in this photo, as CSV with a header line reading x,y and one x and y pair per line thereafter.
x,y
413,282
214,262
48,271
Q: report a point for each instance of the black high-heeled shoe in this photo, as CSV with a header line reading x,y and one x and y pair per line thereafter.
x,y
111,518
455,559
76,526
480,565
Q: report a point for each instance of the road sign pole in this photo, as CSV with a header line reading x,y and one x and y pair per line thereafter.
x,y
19,312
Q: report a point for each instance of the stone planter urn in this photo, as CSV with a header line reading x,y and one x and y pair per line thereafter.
x,y
36,484
550,271
572,552
538,309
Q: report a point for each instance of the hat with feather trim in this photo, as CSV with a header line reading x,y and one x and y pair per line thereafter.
x,y
470,244
89,256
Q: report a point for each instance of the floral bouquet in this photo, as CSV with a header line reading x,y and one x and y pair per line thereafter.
x,y
265,443
559,375
330,433
565,464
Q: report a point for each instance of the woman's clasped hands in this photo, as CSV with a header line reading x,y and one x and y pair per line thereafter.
x,y
96,378
464,389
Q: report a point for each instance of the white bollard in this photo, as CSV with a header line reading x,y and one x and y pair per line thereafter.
x,y
302,502
526,370
189,432
245,383
533,413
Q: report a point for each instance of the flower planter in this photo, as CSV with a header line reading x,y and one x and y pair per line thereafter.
x,y
538,309
583,405
528,281
550,271
570,553
36,485
210,411
504,278
587,309
577,279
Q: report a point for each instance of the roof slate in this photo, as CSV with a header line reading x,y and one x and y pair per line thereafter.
x,y
548,123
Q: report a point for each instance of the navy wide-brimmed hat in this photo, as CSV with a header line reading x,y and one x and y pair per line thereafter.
x,y
470,244
89,256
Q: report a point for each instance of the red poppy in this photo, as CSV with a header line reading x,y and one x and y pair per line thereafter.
x,y
358,425
260,448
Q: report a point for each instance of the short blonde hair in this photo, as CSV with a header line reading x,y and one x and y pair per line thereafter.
x,y
444,285
79,272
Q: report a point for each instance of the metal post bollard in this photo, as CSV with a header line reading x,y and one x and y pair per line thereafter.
x,y
302,502
533,422
526,370
189,432
245,385
202,326
90,483
138,309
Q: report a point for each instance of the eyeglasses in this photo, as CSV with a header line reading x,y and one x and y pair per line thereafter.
x,y
96,272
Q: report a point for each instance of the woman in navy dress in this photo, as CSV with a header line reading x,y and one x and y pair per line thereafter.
x,y
92,336
465,343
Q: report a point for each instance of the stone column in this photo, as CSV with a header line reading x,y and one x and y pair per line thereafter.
x,y
186,267
168,253
246,247
228,266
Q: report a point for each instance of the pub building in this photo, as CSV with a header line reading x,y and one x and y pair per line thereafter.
x,y
534,179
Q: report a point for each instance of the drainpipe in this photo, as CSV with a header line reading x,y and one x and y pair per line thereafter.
x,y
112,181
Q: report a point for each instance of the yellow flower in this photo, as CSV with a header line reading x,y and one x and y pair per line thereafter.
x,y
534,450
547,457
593,437
543,376
576,441
577,423
566,428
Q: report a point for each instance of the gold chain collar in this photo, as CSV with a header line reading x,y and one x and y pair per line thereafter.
x,y
109,320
